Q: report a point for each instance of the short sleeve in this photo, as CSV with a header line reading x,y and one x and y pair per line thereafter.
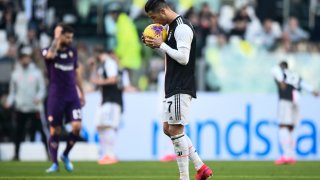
x,y
111,68
125,78
277,73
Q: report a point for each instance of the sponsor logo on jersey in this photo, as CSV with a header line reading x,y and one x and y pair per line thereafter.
x,y
64,67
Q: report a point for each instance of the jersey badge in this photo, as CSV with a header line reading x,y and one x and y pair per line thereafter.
x,y
70,54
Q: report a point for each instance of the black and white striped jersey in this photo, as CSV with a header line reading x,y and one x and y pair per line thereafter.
x,y
180,76
293,81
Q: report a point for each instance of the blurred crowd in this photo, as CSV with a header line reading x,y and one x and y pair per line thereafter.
x,y
118,24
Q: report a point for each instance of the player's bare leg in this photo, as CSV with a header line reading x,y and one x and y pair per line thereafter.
x,y
169,156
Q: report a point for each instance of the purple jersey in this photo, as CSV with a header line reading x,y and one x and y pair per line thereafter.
x,y
63,100
62,73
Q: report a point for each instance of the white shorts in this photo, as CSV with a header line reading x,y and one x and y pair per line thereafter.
x,y
176,109
109,114
288,113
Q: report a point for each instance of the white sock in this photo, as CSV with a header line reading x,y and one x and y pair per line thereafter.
x,y
110,135
284,136
291,153
193,155
102,143
168,148
180,144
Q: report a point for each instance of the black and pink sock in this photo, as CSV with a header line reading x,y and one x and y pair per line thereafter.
x,y
53,147
71,140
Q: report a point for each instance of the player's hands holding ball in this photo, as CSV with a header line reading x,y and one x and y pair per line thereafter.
x,y
153,42
154,35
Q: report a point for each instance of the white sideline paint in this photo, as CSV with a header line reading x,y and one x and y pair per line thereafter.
x,y
36,152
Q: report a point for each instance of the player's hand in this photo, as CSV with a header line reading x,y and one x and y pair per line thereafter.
x,y
154,42
82,100
315,93
91,62
7,105
36,101
57,35
57,32
97,82
55,45
143,39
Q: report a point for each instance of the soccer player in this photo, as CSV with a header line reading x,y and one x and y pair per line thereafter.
x,y
180,87
110,78
289,84
65,93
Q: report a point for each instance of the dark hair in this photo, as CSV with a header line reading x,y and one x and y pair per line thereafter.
x,y
99,49
155,5
66,28
284,64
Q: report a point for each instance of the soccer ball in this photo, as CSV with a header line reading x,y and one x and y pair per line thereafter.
x,y
155,30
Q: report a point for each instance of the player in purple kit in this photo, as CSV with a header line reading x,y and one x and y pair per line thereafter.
x,y
65,96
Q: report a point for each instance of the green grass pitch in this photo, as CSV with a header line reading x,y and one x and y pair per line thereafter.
x,y
233,170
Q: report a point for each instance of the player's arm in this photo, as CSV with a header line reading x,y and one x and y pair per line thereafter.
x,y
307,87
110,80
283,85
127,87
41,90
183,35
278,76
111,68
53,48
96,78
161,52
79,86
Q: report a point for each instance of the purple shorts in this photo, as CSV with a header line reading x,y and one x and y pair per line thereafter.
x,y
62,111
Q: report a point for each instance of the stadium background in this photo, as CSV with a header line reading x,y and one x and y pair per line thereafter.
x,y
235,114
